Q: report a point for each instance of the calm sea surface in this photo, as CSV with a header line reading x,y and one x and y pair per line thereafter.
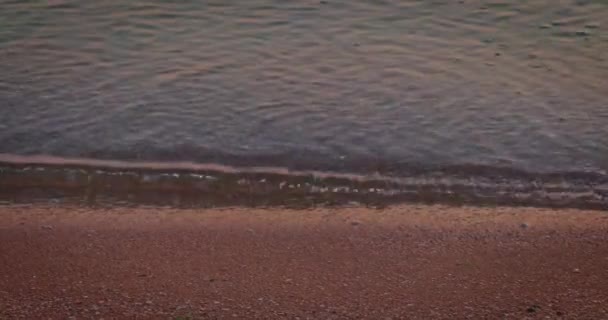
x,y
336,85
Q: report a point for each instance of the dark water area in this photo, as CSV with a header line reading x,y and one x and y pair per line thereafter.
x,y
501,94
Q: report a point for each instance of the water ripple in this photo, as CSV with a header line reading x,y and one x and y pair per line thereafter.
x,y
517,84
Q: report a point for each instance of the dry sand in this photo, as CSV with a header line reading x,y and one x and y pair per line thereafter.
x,y
404,262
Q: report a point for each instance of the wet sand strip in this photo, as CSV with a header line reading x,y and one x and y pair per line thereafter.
x,y
106,182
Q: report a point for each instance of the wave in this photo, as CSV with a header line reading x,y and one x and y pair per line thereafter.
x,y
93,181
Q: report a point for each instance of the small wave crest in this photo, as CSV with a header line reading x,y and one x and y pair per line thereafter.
x,y
90,181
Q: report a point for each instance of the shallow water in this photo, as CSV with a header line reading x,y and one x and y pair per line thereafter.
x,y
351,86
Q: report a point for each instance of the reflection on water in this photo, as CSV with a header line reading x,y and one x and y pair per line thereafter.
x,y
336,85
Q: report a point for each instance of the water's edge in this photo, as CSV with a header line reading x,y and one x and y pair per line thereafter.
x,y
185,184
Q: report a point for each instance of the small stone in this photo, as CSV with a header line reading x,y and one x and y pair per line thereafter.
x,y
576,270
47,227
355,223
544,26
592,26
582,33
531,309
149,302
497,54
524,225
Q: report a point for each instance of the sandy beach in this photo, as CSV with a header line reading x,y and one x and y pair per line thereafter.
x,y
402,262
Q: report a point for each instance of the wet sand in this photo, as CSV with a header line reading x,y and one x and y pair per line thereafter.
x,y
402,262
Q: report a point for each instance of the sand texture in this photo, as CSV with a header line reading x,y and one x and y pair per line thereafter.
x,y
402,262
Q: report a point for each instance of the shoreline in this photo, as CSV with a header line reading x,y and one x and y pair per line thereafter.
x,y
183,184
406,261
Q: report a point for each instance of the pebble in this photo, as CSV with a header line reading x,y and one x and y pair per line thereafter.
x,y
576,270
533,309
592,26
